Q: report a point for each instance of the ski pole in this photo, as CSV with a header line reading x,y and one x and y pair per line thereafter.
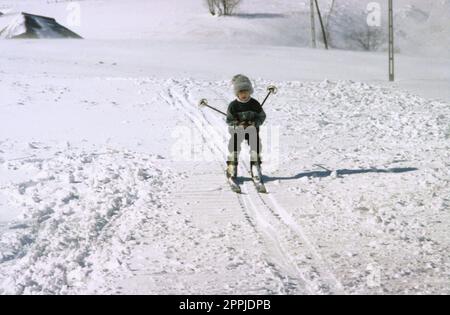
x,y
204,102
272,89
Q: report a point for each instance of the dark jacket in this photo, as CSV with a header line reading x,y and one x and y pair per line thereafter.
x,y
250,112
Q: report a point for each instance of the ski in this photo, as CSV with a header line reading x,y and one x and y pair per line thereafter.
x,y
256,176
260,187
234,185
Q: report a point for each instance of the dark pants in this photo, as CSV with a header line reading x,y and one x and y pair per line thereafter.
x,y
239,134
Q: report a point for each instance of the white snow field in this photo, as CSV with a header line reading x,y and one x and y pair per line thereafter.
x,y
112,178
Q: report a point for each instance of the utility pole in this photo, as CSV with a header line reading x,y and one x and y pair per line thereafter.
x,y
321,25
313,25
391,42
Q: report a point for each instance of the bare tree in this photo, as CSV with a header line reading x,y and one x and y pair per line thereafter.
x,y
369,38
349,29
229,6
330,13
222,7
211,6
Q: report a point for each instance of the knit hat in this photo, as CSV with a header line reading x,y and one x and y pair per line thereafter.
x,y
242,83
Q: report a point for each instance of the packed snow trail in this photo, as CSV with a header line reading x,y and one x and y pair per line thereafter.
x,y
278,257
255,204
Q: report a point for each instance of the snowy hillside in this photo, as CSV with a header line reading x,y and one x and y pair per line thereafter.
x,y
421,28
112,178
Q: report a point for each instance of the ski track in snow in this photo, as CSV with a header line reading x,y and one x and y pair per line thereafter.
x,y
250,212
260,213
261,225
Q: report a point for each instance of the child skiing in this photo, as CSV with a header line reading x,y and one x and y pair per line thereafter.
x,y
244,117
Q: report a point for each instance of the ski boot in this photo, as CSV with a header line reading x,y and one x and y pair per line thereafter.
x,y
232,176
255,172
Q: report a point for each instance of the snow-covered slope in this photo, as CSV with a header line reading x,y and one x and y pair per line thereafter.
x,y
421,28
11,25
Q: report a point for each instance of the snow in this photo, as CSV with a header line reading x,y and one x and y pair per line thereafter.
x,y
420,27
81,213
112,178
11,25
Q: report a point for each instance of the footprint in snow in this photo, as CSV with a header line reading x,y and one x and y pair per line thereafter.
x,y
33,145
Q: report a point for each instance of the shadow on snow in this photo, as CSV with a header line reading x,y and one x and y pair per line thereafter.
x,y
340,173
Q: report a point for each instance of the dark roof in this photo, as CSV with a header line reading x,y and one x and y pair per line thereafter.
x,y
36,23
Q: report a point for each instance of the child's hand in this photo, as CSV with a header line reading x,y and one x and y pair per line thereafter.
x,y
244,124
